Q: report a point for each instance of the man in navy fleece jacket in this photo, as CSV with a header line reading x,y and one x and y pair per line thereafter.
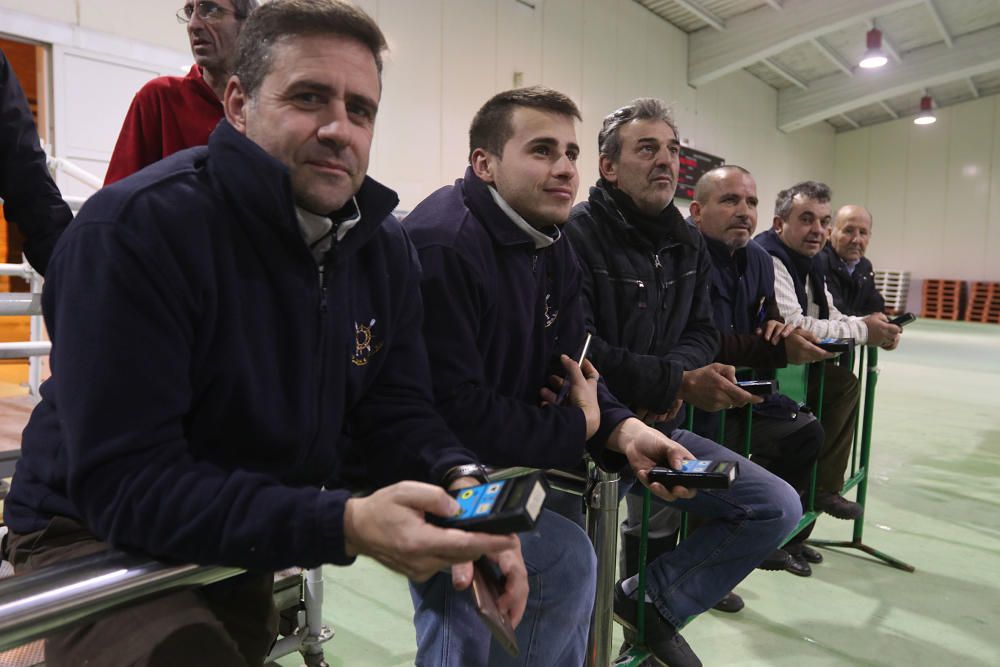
x,y
220,322
502,294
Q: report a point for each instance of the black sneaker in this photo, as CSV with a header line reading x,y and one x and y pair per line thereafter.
x,y
662,639
838,506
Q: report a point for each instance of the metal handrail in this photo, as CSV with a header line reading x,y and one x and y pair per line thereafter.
x,y
20,303
75,591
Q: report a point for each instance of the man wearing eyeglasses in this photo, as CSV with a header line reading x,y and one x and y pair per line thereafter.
x,y
171,113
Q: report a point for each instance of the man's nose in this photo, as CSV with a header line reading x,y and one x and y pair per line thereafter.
x,y
336,127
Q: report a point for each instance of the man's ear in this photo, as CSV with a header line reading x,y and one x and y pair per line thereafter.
x,y
695,210
235,103
608,168
484,165
778,225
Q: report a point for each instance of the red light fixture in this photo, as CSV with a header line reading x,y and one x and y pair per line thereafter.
x,y
874,56
926,116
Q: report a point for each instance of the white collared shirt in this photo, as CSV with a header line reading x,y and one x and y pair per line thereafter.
x,y
837,325
316,228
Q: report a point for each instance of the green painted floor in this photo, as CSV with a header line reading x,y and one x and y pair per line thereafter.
x,y
934,501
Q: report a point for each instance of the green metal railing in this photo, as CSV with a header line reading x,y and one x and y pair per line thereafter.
x,y
793,381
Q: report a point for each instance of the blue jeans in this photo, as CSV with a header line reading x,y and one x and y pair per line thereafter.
x,y
744,524
562,574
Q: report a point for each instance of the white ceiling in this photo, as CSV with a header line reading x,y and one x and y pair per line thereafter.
x,y
808,50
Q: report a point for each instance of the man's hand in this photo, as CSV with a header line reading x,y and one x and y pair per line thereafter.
x,y
514,596
582,380
800,350
645,447
881,331
713,388
650,417
774,331
389,526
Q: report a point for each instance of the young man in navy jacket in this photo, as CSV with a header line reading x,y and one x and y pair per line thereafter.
x,y
227,326
784,438
646,294
502,293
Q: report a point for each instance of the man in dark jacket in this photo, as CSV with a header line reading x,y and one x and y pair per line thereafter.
x,y
798,233
784,438
220,323
646,296
850,276
31,199
501,289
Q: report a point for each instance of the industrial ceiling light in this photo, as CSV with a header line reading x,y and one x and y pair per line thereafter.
x,y
874,56
926,115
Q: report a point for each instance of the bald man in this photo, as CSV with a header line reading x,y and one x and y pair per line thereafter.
x,y
849,275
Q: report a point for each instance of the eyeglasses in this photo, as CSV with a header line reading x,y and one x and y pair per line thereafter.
x,y
207,11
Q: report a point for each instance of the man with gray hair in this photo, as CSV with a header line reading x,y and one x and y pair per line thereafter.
x,y
646,299
171,113
799,231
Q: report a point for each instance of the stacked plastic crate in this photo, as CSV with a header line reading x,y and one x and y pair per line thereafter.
x,y
893,286
943,299
984,303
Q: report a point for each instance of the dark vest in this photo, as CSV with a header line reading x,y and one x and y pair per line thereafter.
x,y
801,268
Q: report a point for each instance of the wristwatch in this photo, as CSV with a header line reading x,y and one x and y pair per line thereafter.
x,y
474,470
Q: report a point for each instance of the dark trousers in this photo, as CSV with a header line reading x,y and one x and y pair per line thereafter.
x,y
786,447
231,623
841,393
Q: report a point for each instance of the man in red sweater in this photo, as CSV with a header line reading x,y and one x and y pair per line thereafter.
x,y
171,113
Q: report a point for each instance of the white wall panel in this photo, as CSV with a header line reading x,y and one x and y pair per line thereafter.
x,y
993,214
562,46
629,51
519,44
468,76
926,192
886,193
408,150
968,186
934,191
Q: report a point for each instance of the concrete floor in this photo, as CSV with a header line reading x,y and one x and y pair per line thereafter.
x,y
933,502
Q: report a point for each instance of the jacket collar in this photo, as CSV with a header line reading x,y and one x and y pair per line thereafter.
x,y
480,201
258,188
677,229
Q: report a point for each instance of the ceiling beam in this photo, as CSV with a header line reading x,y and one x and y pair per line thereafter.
x,y
708,17
774,4
942,28
781,71
973,87
887,46
973,54
850,121
756,35
889,110
833,56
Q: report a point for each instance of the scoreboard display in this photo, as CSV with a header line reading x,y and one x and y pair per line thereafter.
x,y
693,165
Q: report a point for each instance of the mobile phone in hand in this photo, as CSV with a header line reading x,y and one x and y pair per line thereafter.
x,y
564,390
498,507
902,320
487,584
697,474
757,387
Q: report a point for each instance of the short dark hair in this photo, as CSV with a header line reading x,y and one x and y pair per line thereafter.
x,y
609,142
279,19
492,126
809,189
703,188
